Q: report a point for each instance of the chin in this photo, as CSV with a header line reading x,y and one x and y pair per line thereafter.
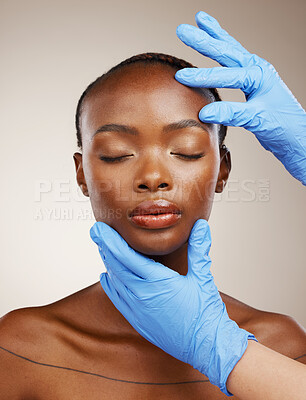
x,y
153,254
156,252
156,246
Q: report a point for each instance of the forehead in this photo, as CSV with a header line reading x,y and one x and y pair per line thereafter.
x,y
141,94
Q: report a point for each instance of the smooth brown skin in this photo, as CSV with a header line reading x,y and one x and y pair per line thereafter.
x,y
85,331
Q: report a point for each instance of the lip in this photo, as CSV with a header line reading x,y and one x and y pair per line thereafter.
x,y
160,206
155,214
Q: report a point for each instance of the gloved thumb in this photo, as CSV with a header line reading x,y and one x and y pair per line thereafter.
x,y
198,251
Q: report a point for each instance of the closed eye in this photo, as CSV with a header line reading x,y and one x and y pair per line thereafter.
x,y
183,156
189,156
114,159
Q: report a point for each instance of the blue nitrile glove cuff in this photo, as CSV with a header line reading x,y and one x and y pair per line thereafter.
x,y
229,349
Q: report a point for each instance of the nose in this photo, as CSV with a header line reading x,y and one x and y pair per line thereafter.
x,y
153,175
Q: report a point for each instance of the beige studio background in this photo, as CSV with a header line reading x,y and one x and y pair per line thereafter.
x,y
50,51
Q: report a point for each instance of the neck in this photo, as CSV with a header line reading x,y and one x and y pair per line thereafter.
x,y
177,260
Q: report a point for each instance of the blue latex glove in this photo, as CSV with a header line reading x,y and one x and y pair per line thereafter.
x,y
183,315
271,111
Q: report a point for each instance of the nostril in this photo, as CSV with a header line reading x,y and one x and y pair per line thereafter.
x,y
146,187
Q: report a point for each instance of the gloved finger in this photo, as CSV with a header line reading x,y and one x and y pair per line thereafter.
x,y
126,303
144,267
118,298
246,79
225,54
113,265
132,282
124,292
210,25
198,251
102,235
133,312
226,113
129,289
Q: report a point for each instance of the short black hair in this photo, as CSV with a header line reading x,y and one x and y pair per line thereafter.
x,y
146,58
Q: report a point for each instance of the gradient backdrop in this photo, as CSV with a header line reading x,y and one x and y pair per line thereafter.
x,y
50,51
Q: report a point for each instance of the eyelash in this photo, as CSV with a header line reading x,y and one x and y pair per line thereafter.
x,y
185,156
189,157
112,159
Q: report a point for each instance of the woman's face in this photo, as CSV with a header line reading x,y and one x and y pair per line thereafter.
x,y
155,127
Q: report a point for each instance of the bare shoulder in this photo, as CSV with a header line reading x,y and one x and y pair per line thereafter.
x,y
33,340
40,345
42,329
279,332
25,327
62,332
20,331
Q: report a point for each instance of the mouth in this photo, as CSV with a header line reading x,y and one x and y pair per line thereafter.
x,y
155,214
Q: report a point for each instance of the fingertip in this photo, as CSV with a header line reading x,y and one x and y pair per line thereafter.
x,y
178,75
206,114
199,230
200,15
182,75
185,32
104,282
201,223
109,289
94,232
102,276
97,230
181,27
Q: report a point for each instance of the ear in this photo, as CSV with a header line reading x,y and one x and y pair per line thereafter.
x,y
78,161
225,168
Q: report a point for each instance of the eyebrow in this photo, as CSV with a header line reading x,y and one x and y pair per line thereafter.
x,y
184,123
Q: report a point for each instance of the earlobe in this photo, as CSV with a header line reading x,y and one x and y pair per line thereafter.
x,y
77,157
220,186
225,168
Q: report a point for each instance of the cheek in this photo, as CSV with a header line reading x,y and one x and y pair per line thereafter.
x,y
110,194
108,202
196,184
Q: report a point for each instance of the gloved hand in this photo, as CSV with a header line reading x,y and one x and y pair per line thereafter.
x,y
271,111
183,315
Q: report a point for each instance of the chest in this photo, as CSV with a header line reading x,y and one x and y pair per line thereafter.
x,y
77,386
122,372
